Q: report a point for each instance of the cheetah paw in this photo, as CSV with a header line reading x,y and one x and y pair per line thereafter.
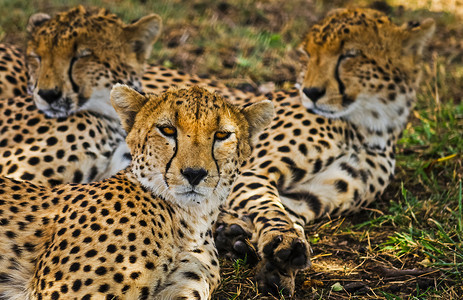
x,y
283,256
233,238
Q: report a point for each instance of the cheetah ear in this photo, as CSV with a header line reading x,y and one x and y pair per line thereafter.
x,y
336,11
302,51
259,115
127,102
416,35
142,34
36,20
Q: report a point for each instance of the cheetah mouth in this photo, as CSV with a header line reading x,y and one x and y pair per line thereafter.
x,y
191,197
326,111
191,192
57,109
313,107
55,113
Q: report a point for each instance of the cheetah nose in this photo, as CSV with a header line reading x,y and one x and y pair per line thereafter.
x,y
50,95
194,176
314,93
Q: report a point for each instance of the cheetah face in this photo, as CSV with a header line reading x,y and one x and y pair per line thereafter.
x,y
75,58
360,63
356,82
188,144
335,96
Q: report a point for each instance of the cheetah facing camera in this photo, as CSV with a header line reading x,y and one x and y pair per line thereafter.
x,y
330,148
146,232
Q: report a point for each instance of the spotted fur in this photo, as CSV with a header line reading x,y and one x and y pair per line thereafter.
x,y
78,148
144,233
75,58
13,75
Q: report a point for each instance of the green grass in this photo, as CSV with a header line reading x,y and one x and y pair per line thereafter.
x,y
430,222
440,241
425,212
418,223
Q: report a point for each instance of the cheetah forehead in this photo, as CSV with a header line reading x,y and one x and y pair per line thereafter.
x,y
196,106
79,22
362,27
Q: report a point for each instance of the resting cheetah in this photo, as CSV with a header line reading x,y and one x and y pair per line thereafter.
x,y
69,59
144,233
330,148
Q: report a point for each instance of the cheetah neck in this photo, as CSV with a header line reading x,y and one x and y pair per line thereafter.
x,y
377,124
202,224
100,103
197,221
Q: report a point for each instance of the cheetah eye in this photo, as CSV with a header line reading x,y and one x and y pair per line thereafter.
x,y
34,56
168,130
352,53
221,135
303,54
83,53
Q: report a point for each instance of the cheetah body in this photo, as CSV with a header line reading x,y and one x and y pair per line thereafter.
x,y
89,249
330,148
83,147
13,75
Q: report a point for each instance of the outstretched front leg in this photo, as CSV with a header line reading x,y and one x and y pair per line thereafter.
x,y
260,227
270,206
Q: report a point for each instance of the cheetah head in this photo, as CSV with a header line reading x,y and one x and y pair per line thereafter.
x,y
188,144
75,58
362,67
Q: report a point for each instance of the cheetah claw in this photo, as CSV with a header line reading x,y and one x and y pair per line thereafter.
x,y
233,242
